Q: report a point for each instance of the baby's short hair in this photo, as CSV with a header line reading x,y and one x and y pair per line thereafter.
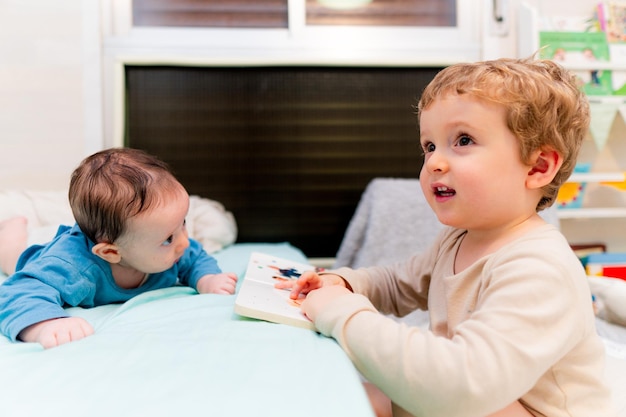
x,y
113,185
544,106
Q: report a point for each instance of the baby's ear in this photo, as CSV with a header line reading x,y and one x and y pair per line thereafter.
x,y
545,165
107,251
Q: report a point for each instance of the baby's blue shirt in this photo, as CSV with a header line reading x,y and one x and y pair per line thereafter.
x,y
65,273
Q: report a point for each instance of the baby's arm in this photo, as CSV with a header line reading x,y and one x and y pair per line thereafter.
x,y
55,332
222,283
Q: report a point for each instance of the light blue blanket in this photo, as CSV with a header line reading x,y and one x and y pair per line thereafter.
x,y
173,352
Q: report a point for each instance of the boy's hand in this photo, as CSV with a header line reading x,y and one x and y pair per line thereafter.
x,y
317,300
223,283
55,332
308,282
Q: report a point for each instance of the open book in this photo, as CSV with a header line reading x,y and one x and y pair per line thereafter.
x,y
257,297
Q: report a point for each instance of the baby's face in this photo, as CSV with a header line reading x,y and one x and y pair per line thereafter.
x,y
156,239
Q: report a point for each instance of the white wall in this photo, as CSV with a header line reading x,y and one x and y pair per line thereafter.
x,y
43,117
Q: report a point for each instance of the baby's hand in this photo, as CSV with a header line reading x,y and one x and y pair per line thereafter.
x,y
308,282
55,332
222,283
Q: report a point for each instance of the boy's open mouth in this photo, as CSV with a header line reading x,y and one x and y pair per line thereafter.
x,y
444,192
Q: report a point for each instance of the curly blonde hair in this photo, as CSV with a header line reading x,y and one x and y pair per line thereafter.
x,y
545,109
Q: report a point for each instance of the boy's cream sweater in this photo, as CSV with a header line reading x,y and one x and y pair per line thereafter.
x,y
518,324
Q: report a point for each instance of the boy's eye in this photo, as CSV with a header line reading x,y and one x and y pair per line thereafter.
x,y
168,241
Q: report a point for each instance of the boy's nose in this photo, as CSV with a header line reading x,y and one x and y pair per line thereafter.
x,y
436,161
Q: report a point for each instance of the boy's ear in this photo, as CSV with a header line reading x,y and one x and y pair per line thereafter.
x,y
107,251
545,165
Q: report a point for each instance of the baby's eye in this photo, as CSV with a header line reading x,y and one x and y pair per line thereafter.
x,y
428,147
464,140
168,241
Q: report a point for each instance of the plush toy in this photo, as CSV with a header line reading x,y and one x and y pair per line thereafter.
x,y
610,298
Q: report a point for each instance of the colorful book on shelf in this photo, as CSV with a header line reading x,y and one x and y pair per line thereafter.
x,y
257,298
611,16
611,19
583,250
582,50
612,265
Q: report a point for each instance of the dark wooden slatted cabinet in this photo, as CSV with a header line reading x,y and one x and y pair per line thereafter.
x,y
288,150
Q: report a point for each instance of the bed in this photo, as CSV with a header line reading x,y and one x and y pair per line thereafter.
x,y
173,352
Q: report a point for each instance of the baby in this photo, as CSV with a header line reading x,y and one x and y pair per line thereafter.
x,y
129,238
